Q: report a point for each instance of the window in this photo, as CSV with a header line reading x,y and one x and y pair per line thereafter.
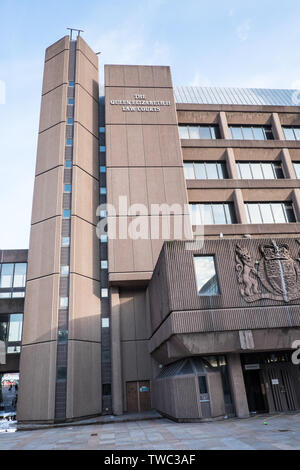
x,y
212,213
104,264
71,83
71,101
297,169
15,328
70,121
199,132
103,191
68,164
102,148
270,212
206,277
69,142
64,270
105,322
205,170
65,241
12,275
64,302
202,384
291,132
251,132
67,214
102,169
104,292
260,170
103,238
102,130
68,188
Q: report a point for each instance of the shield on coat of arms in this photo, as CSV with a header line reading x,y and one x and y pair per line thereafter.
x,y
281,274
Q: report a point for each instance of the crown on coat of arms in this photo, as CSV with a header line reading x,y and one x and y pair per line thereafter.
x,y
274,251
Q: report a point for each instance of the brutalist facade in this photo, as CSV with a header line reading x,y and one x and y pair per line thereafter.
x,y
198,325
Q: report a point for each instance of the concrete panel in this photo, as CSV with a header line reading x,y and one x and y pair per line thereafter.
x,y
85,196
84,379
84,309
143,360
215,387
56,71
87,75
47,196
129,360
51,148
44,248
57,47
87,51
37,383
86,110
53,108
41,310
84,249
85,151
116,146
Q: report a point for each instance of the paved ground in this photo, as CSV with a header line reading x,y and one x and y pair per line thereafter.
x,y
281,432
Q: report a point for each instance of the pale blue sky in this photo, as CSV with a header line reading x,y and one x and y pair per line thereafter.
x,y
220,43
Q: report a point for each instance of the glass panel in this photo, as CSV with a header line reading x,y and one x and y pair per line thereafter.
x,y
236,132
68,164
254,214
67,214
277,168
200,171
207,214
219,215
202,384
15,327
268,133
194,132
187,368
258,133
245,171
214,132
65,241
18,295
64,270
5,295
266,213
289,212
222,170
205,132
289,133
297,169
211,169
64,302
206,277
183,132
104,264
3,330
278,213
297,133
195,213
248,134
6,279
189,171
230,213
68,188
20,274
105,322
256,171
268,171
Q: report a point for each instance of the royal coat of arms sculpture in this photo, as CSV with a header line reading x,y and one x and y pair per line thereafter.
x,y
276,275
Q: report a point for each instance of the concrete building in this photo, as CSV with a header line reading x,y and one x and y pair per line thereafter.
x,y
13,266
191,308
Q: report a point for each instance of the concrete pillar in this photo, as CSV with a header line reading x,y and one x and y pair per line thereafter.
x,y
223,125
116,363
239,207
237,385
287,164
296,202
231,165
276,127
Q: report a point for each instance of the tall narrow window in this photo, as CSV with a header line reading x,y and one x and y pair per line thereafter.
x,y
206,276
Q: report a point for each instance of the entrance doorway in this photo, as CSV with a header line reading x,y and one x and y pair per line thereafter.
x,y
281,382
138,396
255,389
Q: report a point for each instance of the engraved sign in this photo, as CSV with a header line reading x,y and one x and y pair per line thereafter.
x,y
140,104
